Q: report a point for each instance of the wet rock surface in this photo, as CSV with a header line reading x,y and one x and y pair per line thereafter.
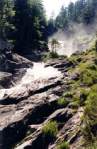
x,y
12,67
4,78
27,105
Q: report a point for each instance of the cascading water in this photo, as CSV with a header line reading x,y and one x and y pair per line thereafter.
x,y
37,76
39,72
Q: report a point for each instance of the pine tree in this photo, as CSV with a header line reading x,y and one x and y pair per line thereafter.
x,y
30,26
51,27
89,11
71,11
62,18
6,15
82,11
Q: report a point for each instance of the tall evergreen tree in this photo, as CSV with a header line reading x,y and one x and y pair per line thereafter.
x,y
71,12
6,15
30,25
82,11
51,26
89,12
62,19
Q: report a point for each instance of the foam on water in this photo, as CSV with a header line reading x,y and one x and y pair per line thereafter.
x,y
38,73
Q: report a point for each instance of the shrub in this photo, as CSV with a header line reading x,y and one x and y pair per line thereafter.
x,y
88,77
50,129
54,44
53,54
63,145
73,60
83,95
91,108
89,129
94,88
92,66
68,94
75,104
94,47
50,55
62,101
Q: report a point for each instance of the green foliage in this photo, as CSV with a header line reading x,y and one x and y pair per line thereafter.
x,y
62,102
63,145
88,77
91,107
6,16
30,24
87,80
53,55
82,11
50,55
68,94
83,95
89,128
75,103
94,46
94,88
92,145
92,67
75,59
54,44
50,129
23,22
51,28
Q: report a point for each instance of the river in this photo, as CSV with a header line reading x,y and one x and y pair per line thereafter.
x,y
37,76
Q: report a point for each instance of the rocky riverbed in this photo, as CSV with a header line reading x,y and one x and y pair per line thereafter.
x,y
31,101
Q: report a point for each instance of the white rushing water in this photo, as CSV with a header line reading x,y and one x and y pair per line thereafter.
x,y
35,76
39,72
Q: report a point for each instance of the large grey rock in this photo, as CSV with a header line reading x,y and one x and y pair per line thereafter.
x,y
26,108
22,105
10,62
5,77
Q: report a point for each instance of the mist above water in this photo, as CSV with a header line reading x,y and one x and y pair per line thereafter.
x,y
78,37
